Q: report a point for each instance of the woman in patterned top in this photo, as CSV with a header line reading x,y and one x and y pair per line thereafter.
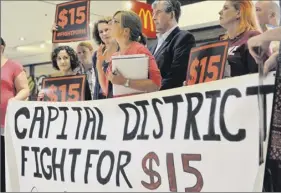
x,y
239,20
102,36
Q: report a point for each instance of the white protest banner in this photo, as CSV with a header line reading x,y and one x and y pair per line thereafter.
x,y
196,138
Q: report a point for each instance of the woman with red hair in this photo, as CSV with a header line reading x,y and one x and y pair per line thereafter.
x,y
239,19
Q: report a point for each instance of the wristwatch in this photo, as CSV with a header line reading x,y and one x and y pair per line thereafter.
x,y
127,83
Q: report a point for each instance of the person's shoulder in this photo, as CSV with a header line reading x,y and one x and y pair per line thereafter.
x,y
140,48
94,55
249,34
137,45
115,54
185,33
252,33
14,63
183,37
79,70
222,37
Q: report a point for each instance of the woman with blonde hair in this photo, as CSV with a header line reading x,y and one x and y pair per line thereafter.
x,y
126,28
85,53
240,21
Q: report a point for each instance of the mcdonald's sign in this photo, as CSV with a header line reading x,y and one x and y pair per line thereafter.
x,y
145,13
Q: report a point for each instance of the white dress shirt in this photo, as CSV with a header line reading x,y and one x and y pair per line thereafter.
x,y
162,37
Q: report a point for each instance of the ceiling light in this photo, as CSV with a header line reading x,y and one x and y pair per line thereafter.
x,y
22,38
129,5
42,45
27,49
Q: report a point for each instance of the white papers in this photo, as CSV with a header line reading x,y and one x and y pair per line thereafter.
x,y
133,67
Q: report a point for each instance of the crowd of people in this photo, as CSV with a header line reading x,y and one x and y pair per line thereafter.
x,y
247,26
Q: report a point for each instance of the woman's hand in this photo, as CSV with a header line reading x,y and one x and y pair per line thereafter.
x,y
54,27
13,99
100,54
116,78
41,95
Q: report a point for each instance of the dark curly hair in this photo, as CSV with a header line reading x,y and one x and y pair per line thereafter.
x,y
3,42
96,34
74,62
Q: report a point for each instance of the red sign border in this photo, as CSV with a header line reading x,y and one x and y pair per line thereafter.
x,y
87,21
83,76
224,43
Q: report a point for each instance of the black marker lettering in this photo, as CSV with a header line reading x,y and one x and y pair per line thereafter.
x,y
265,90
22,111
100,179
60,165
63,135
91,118
74,153
40,120
126,135
100,136
241,132
174,100
120,168
143,105
212,136
158,116
51,118
23,159
191,120
78,109
88,164
47,175
36,151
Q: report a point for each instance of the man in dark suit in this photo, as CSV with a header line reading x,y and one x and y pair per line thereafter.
x,y
172,49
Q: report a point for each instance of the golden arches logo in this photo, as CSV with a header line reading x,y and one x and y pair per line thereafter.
x,y
146,15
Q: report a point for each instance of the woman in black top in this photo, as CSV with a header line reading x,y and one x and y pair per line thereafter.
x,y
239,20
